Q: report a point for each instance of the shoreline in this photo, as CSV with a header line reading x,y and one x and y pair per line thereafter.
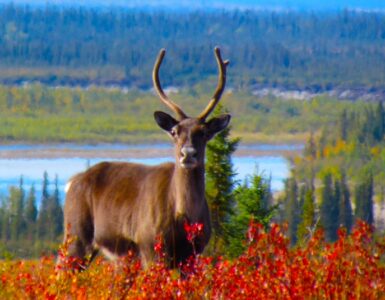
x,y
122,151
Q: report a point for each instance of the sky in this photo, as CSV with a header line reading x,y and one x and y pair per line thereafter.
x,y
226,4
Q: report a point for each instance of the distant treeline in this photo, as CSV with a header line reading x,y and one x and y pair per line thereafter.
x,y
82,45
26,229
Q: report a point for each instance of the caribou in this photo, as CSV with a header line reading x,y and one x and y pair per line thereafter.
x,y
118,207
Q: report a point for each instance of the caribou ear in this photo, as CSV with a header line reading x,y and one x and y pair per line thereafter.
x,y
216,125
165,121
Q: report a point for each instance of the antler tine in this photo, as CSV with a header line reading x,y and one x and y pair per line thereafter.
x,y
159,90
220,87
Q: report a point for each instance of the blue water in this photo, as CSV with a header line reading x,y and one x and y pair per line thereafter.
x,y
276,167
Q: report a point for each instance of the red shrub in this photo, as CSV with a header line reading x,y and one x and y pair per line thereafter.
x,y
350,268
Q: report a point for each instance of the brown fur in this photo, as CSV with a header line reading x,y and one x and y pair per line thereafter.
x,y
124,206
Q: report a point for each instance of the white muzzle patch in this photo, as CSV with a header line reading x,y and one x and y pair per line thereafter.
x,y
188,159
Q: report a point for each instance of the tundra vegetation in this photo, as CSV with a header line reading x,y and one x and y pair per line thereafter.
x,y
268,268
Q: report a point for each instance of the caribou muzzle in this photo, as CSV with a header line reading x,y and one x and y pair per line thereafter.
x,y
188,159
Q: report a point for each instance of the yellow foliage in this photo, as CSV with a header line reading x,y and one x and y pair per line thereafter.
x,y
297,160
334,170
340,148
327,151
375,151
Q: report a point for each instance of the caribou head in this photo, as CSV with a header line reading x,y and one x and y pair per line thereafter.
x,y
190,135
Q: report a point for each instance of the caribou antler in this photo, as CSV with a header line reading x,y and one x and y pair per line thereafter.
x,y
220,87
159,90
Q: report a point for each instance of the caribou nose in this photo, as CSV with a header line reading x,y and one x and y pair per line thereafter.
x,y
188,151
188,159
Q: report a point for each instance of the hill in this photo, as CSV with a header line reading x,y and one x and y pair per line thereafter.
x,y
83,46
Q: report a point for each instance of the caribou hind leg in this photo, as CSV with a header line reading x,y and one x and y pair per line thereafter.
x,y
79,256
79,249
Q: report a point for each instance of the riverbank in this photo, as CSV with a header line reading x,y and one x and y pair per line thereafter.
x,y
121,151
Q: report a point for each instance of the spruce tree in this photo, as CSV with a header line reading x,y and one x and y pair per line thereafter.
x,y
310,150
22,224
307,223
252,203
16,209
292,213
220,181
345,217
4,220
379,122
322,142
42,220
343,126
55,213
31,214
301,198
364,197
368,128
329,209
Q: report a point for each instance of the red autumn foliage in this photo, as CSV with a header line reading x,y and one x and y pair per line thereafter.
x,y
351,268
193,230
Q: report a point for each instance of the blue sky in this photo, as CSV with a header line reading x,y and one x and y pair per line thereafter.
x,y
258,4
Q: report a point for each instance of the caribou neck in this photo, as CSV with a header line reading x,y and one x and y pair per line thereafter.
x,y
189,192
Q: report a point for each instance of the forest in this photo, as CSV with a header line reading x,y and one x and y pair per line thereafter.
x,y
82,46
26,228
339,178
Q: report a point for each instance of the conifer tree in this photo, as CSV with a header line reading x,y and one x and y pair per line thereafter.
x,y
4,220
220,181
42,220
252,203
292,213
31,214
343,126
322,142
55,213
354,126
345,217
301,198
307,222
329,207
364,197
379,122
16,209
310,147
368,128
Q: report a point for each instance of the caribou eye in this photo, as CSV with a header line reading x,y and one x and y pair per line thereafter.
x,y
173,132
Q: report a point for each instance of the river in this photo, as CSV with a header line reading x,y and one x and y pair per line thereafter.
x,y
65,160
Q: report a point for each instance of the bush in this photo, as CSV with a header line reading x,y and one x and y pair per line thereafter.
x,y
350,268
